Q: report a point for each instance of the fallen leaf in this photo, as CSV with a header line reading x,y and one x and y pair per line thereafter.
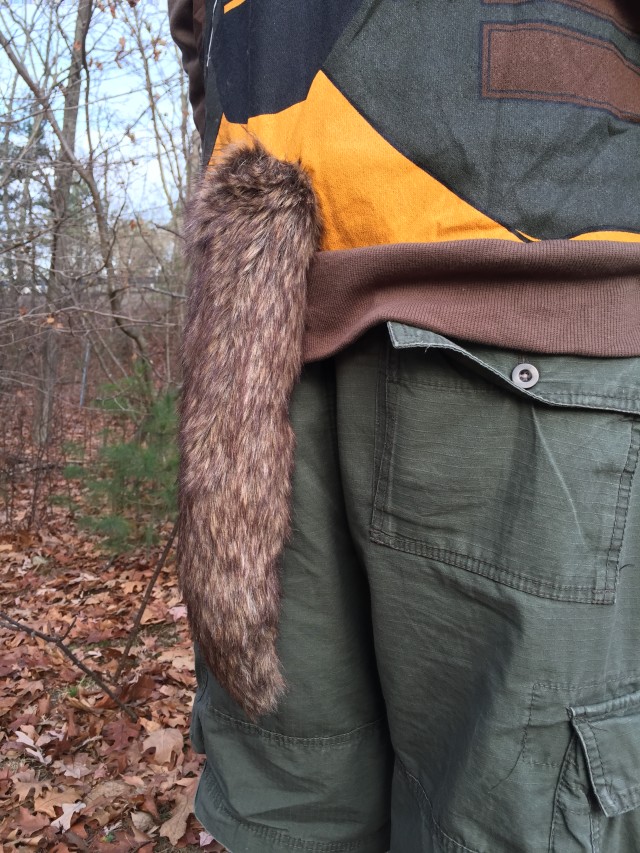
x,y
24,782
68,811
150,725
208,841
150,806
166,743
29,823
78,767
76,840
30,748
22,737
98,814
48,803
176,826
121,731
134,781
109,790
82,705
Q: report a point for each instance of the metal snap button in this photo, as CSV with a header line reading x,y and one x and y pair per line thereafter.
x,y
525,375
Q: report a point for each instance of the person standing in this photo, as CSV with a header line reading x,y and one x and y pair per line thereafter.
x,y
416,249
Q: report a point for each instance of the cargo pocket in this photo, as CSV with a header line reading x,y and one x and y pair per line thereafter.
x,y
598,794
518,468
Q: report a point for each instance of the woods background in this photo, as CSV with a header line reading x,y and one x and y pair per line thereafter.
x,y
97,153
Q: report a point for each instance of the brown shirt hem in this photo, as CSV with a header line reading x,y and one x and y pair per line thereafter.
x,y
558,296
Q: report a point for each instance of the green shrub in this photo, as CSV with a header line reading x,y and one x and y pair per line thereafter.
x,y
130,488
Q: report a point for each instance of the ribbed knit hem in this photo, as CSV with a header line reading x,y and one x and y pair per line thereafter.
x,y
556,296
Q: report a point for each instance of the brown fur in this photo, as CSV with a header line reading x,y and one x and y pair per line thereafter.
x,y
252,228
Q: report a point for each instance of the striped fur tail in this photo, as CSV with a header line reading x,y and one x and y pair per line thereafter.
x,y
252,229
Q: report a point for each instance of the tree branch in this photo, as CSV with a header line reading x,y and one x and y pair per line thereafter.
x,y
145,600
56,641
42,98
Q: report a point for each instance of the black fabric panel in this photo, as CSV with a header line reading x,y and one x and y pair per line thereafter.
x,y
213,107
267,52
537,164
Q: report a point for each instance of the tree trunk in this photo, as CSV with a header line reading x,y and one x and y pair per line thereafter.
x,y
59,271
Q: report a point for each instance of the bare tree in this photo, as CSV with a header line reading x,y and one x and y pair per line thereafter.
x,y
96,154
60,271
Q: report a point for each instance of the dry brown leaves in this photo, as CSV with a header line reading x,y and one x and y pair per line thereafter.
x,y
76,774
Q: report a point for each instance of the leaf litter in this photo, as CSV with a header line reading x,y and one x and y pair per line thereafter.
x,y
76,773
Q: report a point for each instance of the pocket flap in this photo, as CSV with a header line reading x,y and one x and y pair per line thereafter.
x,y
610,735
611,384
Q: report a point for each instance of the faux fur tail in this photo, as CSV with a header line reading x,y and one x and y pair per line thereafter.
x,y
252,229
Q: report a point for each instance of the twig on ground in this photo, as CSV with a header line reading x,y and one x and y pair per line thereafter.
x,y
9,622
143,604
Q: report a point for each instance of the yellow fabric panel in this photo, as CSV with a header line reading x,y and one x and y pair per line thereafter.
x,y
232,5
370,193
614,236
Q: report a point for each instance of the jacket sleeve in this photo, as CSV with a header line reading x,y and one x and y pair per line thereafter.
x,y
186,22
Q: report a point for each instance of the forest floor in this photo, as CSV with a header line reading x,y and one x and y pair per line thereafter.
x,y
78,772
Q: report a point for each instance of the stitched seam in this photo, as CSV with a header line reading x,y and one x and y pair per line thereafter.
x,y
601,778
452,386
627,798
390,428
556,798
377,435
539,687
378,500
622,505
619,703
620,678
523,752
581,396
624,796
552,399
280,838
594,821
446,551
415,783
342,739
573,395
476,565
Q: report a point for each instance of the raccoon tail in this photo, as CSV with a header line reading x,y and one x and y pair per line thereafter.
x,y
252,228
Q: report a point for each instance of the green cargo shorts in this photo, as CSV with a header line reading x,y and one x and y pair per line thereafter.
x,y
461,615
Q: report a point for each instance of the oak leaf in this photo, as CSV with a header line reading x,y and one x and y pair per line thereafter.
x,y
121,731
176,826
68,811
166,743
29,823
24,781
48,803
